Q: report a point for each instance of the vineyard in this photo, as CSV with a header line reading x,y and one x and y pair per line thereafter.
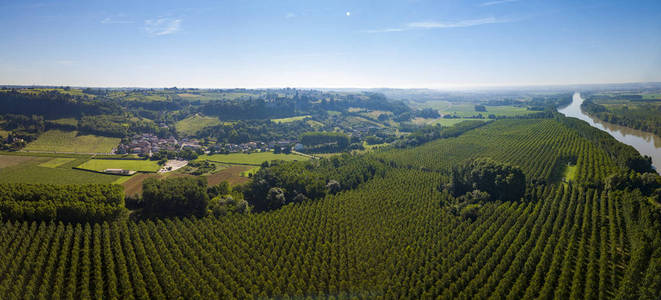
x,y
391,237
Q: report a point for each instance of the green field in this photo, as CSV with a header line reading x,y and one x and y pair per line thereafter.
x,y
652,96
315,124
134,165
467,110
70,141
570,173
452,122
41,169
56,162
252,158
290,119
250,172
4,133
195,123
65,121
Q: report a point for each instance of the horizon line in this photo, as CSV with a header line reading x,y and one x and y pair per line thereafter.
x,y
446,87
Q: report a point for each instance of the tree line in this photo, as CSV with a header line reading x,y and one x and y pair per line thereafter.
x,y
67,203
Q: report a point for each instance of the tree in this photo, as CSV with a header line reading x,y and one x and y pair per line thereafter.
x,y
180,196
275,198
333,186
501,181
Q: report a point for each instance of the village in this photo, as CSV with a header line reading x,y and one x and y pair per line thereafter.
x,y
146,144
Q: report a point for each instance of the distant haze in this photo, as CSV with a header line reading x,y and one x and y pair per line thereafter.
x,y
362,44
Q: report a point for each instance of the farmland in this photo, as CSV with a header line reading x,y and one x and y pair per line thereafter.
x,y
65,121
424,215
232,174
468,109
394,228
252,158
56,162
71,142
450,122
290,119
125,164
193,124
42,169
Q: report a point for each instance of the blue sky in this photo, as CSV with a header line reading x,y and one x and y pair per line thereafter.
x,y
414,43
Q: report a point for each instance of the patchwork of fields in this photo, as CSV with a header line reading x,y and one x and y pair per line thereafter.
x,y
51,170
21,167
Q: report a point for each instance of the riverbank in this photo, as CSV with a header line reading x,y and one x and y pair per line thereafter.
x,y
645,142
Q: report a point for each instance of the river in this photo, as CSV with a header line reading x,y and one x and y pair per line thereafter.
x,y
646,143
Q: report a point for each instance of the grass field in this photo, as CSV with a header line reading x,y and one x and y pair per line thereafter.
x,y
4,134
135,165
193,124
10,160
290,119
233,175
251,159
56,162
452,122
65,121
570,173
70,141
30,169
652,96
250,172
315,124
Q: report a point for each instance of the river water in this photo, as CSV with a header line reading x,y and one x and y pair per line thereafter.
x,y
646,143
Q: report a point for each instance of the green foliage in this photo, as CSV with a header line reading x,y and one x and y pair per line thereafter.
x,y
325,141
255,130
633,113
430,133
388,237
226,205
538,146
624,155
180,196
67,203
223,188
281,182
500,181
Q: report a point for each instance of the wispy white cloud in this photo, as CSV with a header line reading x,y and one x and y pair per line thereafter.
x,y
496,2
442,25
113,20
162,26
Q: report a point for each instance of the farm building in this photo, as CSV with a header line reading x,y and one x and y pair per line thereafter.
x,y
119,171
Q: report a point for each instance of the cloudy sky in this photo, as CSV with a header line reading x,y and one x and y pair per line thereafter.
x,y
414,43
